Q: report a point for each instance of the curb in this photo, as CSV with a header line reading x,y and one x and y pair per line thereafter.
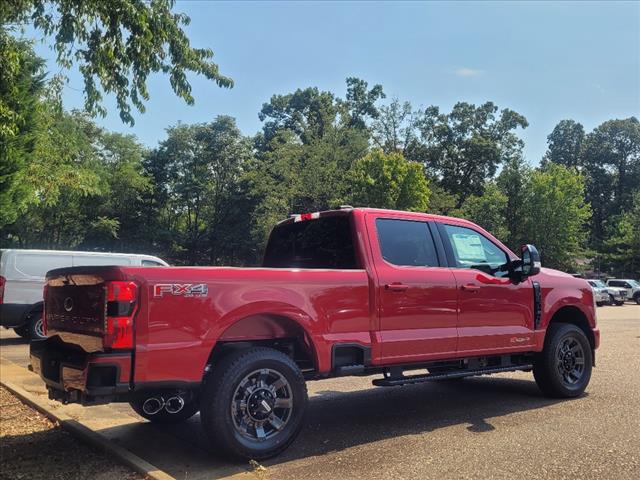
x,y
87,435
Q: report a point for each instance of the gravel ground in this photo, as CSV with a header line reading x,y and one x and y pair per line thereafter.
x,y
32,447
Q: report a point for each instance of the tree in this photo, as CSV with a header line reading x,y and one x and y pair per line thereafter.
x,y
488,211
514,182
389,181
622,248
464,148
21,85
565,144
556,215
361,102
197,171
612,166
393,129
117,45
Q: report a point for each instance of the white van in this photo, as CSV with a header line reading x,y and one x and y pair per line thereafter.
x,y
22,275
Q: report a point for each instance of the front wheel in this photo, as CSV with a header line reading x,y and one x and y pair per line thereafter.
x,y
253,403
563,368
637,298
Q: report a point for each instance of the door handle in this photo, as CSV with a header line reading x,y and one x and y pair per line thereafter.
x,y
396,287
470,287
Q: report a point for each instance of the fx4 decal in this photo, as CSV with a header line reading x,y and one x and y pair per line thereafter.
x,y
183,289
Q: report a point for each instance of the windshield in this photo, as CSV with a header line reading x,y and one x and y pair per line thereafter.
x,y
634,283
597,283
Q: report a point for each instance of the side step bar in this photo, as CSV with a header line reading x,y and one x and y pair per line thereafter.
x,y
393,381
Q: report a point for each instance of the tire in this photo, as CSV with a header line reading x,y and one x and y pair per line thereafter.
x,y
599,304
36,330
619,304
612,300
191,407
637,298
23,331
238,404
563,368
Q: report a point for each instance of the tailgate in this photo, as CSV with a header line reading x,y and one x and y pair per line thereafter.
x,y
75,305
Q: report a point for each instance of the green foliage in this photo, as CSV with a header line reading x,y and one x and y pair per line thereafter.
x,y
116,45
565,144
556,215
464,148
514,182
388,181
488,211
197,171
622,248
21,84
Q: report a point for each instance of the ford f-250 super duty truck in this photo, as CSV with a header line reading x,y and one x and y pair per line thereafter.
x,y
342,292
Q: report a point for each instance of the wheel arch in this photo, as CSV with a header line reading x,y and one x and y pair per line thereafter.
x,y
574,315
270,329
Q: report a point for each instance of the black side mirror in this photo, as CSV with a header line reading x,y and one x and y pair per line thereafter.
x,y
530,260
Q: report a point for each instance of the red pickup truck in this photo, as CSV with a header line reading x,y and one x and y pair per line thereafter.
x,y
353,291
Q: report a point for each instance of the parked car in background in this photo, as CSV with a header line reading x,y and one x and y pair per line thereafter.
x,y
607,295
632,287
22,274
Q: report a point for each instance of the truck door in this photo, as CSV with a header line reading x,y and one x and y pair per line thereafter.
x,y
417,297
494,312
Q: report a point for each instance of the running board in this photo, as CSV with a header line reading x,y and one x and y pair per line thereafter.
x,y
402,380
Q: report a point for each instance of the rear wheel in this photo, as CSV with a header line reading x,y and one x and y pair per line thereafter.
x,y
563,368
253,403
36,326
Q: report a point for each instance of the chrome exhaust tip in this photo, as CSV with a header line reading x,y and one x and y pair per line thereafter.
x,y
153,405
174,404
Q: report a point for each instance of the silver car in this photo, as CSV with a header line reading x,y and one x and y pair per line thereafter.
x,y
606,295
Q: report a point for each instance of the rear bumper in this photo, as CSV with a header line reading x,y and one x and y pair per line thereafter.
x,y
14,315
74,376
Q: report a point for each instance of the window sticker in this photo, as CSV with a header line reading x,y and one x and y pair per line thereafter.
x,y
469,247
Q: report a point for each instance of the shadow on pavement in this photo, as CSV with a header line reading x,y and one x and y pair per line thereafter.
x,y
340,420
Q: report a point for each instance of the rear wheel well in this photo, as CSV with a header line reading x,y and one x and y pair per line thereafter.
x,y
576,317
271,331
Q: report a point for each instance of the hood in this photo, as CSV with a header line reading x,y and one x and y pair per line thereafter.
x,y
556,273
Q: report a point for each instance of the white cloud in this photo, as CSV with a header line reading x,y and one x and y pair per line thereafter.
x,y
467,72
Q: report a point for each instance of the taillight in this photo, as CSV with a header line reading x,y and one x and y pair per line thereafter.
x,y
121,308
45,291
2,282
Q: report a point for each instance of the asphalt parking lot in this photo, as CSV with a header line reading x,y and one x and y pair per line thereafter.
x,y
498,427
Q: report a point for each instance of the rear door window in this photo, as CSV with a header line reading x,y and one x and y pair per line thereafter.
x,y
325,242
406,243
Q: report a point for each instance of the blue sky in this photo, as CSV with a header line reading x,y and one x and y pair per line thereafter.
x,y
548,61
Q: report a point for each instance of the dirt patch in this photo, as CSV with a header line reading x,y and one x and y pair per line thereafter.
x,y
32,447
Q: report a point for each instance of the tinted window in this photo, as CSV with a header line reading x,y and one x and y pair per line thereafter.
x,y
322,243
406,243
616,283
473,250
